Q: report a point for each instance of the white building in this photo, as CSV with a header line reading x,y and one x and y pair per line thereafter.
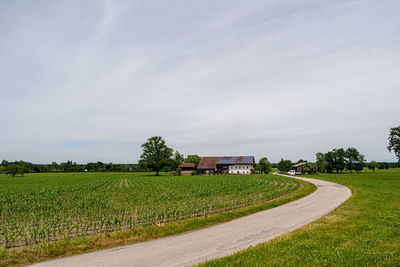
x,y
240,169
236,165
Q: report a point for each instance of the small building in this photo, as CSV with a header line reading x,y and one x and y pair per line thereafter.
x,y
187,169
299,167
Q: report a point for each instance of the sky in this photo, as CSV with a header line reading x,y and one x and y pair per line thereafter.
x,y
92,80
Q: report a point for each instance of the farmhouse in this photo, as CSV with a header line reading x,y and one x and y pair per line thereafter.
x,y
227,165
299,168
186,169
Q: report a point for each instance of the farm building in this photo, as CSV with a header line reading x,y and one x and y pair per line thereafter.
x,y
187,169
208,165
299,168
227,165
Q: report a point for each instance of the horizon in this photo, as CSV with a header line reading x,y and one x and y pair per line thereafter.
x,y
91,81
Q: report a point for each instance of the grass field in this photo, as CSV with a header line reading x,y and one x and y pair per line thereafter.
x,y
364,231
50,207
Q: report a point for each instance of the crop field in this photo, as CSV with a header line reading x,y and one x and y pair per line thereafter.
x,y
38,208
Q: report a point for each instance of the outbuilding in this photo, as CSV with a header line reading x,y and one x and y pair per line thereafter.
x,y
187,169
299,167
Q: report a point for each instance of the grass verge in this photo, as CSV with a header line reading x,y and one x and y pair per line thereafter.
x,y
364,231
47,251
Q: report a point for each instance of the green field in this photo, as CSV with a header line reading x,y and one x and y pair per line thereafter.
x,y
364,231
40,208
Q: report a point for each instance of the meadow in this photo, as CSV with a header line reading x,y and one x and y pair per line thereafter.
x,y
40,208
364,231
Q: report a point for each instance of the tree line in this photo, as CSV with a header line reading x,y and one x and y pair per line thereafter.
x,y
157,156
22,167
337,160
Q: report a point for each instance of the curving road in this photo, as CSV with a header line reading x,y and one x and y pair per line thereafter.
x,y
220,240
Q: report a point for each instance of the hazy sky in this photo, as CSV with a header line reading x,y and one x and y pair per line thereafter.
x,y
92,80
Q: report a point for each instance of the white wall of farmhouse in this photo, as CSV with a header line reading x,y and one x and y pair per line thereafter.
x,y
240,169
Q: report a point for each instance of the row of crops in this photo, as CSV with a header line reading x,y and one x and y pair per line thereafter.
x,y
49,207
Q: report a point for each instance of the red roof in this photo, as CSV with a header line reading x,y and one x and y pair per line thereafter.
x,y
187,165
208,163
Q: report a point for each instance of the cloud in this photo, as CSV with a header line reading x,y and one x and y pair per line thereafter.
x,y
91,81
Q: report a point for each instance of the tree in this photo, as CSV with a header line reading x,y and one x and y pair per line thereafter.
x,y
4,163
54,166
355,160
264,165
339,159
373,165
178,159
321,162
22,169
383,165
285,165
156,154
394,142
359,165
310,168
12,170
193,159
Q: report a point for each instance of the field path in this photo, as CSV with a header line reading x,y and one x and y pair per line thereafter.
x,y
219,240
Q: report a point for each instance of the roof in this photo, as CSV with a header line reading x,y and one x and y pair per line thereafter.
x,y
208,163
236,160
186,165
300,164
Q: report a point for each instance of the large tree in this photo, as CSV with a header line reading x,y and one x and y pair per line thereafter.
x,y
310,168
193,159
322,164
336,160
394,141
264,165
285,165
12,169
156,154
355,160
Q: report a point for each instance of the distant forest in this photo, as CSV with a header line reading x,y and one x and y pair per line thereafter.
x,y
69,166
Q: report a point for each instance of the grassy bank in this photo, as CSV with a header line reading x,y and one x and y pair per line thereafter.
x,y
72,246
364,231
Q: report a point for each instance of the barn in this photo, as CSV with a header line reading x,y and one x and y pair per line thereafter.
x,y
208,165
187,169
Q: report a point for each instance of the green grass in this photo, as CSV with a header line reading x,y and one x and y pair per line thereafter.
x,y
208,200
364,231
